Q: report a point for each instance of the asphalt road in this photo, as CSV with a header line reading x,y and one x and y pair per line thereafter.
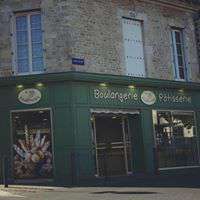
x,y
100,193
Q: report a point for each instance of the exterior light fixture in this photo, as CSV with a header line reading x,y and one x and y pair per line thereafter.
x,y
131,87
103,84
40,84
181,90
20,86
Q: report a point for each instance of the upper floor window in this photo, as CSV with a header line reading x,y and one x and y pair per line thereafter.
x,y
133,47
178,54
28,43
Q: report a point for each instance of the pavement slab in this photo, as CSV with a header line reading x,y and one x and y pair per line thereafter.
x,y
99,193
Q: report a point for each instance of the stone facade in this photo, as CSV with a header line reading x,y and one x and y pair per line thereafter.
x,y
197,31
92,29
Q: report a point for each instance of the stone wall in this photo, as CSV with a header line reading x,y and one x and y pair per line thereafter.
x,y
197,31
92,29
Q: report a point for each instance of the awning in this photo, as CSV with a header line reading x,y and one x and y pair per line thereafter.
x,y
114,111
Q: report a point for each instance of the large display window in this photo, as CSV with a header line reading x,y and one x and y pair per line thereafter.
x,y
32,144
176,139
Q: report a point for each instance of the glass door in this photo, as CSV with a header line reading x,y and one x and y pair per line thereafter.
x,y
112,144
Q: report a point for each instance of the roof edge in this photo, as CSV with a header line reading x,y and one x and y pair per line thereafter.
x,y
192,7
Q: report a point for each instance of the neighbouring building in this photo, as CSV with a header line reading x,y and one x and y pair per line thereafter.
x,y
99,88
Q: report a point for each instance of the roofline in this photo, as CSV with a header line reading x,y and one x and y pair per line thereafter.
x,y
181,6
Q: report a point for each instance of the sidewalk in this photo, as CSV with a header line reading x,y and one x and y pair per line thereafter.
x,y
154,188
99,193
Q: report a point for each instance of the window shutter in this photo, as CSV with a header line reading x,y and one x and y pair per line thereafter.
x,y
133,46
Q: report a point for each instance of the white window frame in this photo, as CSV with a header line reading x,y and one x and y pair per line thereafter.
x,y
175,55
28,14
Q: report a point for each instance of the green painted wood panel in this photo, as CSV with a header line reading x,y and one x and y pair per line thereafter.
x,y
71,102
148,139
83,142
135,130
62,127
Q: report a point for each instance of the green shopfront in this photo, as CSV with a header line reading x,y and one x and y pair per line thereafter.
x,y
72,127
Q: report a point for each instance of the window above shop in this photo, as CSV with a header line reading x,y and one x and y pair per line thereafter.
x,y
27,43
178,54
133,47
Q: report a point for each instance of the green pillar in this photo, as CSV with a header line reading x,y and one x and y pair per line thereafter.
x,y
135,127
198,126
148,139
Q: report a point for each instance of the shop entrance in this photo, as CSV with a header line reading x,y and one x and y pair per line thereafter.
x,y
112,143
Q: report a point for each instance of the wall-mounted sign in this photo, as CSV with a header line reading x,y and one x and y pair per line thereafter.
x,y
115,95
78,61
174,98
148,98
138,96
29,96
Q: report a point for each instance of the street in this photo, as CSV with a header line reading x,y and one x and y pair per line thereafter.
x,y
99,193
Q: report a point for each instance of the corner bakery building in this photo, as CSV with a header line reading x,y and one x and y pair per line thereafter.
x,y
79,127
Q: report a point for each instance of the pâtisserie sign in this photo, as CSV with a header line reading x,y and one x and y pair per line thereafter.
x,y
146,97
174,98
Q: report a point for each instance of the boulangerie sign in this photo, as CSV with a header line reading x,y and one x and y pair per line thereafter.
x,y
115,95
141,97
29,96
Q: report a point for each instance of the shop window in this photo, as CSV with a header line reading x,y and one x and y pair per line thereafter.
x,y
176,139
32,144
178,54
28,51
133,47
